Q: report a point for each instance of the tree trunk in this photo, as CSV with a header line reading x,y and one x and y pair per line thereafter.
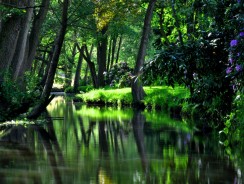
x,y
0,21
85,76
93,74
109,54
26,66
136,87
69,66
19,56
44,77
78,69
42,68
8,41
40,71
101,57
53,65
91,65
113,50
118,51
36,30
23,68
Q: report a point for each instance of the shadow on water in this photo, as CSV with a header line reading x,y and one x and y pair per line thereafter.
x,y
82,144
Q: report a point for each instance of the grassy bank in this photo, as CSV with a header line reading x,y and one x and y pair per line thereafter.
x,y
162,97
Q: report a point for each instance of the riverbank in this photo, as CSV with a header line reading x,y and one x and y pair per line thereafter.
x,y
157,97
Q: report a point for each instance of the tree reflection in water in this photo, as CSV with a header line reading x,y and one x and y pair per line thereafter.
x,y
96,145
18,142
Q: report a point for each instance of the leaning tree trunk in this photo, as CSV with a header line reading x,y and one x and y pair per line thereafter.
x,y
136,87
91,66
45,100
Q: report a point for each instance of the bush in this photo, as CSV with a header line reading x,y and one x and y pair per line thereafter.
x,y
119,75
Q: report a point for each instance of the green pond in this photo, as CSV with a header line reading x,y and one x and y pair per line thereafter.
x,y
80,144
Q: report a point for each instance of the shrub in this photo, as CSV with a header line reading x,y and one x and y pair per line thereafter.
x,y
119,75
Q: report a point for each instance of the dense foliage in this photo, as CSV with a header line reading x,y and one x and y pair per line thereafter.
x,y
234,122
208,61
200,66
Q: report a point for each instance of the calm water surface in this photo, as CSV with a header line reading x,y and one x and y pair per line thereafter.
x,y
81,144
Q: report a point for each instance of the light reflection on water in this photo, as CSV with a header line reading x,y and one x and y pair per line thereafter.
x,y
82,144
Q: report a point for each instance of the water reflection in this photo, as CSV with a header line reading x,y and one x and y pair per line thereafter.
x,y
97,145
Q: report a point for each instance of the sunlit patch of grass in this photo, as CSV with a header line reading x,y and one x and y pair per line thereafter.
x,y
107,96
164,96
156,96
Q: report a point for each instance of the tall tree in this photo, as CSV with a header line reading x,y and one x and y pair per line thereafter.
x,y
53,65
8,41
22,43
136,87
91,65
102,56
119,47
36,30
